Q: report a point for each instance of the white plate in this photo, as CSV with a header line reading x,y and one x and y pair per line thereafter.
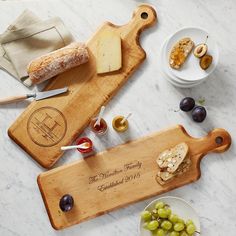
x,y
171,78
191,70
179,207
180,85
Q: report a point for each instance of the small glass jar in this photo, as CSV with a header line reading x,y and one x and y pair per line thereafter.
x,y
118,126
98,129
85,140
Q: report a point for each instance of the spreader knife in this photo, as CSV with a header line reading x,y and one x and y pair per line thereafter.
x,y
37,96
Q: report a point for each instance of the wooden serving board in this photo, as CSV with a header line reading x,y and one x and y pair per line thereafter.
x,y
48,124
122,175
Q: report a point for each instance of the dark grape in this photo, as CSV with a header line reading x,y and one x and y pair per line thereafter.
x,y
199,114
66,203
187,104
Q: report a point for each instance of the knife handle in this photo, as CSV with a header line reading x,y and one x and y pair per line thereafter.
x,y
13,99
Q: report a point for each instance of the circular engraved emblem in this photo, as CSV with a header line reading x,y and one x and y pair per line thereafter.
x,y
46,126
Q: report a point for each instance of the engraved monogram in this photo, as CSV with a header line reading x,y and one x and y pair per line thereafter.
x,y
46,126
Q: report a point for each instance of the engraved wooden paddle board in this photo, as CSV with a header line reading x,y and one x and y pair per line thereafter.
x,y
122,175
48,124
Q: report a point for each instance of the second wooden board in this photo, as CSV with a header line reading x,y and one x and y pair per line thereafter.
x,y
122,175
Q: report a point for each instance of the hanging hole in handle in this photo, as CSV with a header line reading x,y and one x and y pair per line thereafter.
x,y
219,140
144,15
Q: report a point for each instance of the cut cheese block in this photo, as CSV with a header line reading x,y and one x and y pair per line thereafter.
x,y
109,55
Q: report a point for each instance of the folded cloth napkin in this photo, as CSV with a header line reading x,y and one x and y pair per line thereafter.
x,y
27,38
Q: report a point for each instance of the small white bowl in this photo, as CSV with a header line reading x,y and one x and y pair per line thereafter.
x,y
179,207
191,70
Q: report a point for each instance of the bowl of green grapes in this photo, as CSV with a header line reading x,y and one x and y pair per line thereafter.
x,y
169,216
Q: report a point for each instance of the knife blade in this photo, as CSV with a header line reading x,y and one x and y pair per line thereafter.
x,y
50,93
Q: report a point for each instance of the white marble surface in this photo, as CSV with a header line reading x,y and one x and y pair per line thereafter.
x,y
151,99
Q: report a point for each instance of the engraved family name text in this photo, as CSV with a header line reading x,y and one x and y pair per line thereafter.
x,y
131,166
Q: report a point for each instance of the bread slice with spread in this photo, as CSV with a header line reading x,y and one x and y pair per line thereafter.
x,y
173,162
180,52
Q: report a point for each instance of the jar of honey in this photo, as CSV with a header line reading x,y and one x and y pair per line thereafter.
x,y
118,125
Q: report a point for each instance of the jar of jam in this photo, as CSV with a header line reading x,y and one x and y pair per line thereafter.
x,y
85,140
98,129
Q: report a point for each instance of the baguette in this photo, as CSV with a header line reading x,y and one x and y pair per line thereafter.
x,y
56,62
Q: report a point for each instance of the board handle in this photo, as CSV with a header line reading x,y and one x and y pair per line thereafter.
x,y
218,140
143,17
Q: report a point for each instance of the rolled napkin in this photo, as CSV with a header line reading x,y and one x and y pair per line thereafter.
x,y
57,62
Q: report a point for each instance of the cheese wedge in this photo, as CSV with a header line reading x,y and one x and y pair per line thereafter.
x,y
109,55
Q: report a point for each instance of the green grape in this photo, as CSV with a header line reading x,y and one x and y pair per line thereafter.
x,y
178,227
153,225
166,225
181,221
146,215
145,225
154,232
162,213
159,205
173,218
155,214
174,233
168,211
183,233
191,229
188,222
160,232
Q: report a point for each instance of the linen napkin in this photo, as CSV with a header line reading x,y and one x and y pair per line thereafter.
x,y
27,38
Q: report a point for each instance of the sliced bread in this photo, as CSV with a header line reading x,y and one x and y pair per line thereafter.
x,y
172,158
180,52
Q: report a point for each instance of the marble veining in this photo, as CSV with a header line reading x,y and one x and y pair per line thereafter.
x,y
153,102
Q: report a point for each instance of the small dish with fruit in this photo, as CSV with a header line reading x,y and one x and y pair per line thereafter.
x,y
169,216
188,57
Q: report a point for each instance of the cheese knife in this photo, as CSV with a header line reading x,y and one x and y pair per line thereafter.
x,y
37,96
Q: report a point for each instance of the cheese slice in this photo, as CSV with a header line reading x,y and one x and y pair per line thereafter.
x,y
109,55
